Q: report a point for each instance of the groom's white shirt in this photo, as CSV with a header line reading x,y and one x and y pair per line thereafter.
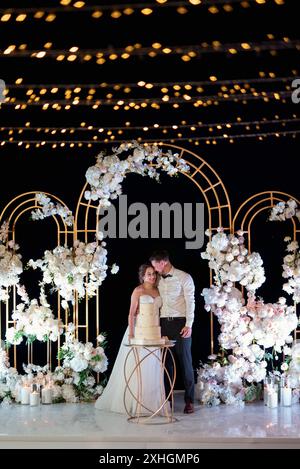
x,y
178,296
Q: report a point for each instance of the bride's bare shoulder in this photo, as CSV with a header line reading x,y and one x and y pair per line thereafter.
x,y
138,290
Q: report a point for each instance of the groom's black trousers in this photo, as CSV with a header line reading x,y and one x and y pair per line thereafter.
x,y
171,328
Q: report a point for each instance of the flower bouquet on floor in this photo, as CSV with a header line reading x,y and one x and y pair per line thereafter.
x,y
79,363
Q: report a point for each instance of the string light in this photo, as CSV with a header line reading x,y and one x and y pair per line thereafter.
x,y
155,103
156,130
263,77
208,140
219,125
57,96
186,52
146,8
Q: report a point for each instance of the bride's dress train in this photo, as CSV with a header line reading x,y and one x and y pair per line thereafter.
x,y
112,398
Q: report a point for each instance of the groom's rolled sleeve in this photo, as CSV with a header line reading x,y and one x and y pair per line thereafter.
x,y
189,296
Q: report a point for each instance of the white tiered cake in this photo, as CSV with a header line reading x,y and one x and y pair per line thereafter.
x,y
147,329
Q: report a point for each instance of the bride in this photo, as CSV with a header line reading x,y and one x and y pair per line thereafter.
x,y
112,398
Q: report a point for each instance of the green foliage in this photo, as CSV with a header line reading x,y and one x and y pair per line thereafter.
x,y
253,392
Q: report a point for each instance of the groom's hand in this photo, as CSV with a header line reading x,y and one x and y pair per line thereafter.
x,y
186,332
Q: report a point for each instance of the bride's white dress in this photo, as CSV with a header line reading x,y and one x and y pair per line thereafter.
x,y
112,398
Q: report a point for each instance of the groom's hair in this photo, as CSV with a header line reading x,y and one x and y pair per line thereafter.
x,y
160,256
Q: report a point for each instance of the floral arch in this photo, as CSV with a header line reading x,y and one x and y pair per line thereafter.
x,y
201,174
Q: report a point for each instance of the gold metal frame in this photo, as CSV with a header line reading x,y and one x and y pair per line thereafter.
x,y
257,204
142,414
12,213
86,224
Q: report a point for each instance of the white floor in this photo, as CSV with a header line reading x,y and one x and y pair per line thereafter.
x,y
82,426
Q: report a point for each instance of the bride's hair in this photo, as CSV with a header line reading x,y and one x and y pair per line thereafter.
x,y
142,271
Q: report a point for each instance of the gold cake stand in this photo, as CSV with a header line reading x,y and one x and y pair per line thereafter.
x,y
164,413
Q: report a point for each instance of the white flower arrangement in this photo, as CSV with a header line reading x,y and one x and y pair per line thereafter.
x,y
50,208
106,176
71,382
11,265
34,321
66,384
231,261
272,323
81,268
246,329
79,361
80,356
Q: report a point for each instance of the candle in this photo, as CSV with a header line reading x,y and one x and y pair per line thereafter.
x,y
266,394
25,393
272,399
46,396
34,398
286,396
17,393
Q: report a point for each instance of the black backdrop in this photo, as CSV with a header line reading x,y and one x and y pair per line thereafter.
x,y
246,167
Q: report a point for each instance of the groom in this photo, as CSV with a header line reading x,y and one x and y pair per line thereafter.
x,y
177,291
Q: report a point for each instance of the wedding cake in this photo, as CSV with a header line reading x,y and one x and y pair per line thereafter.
x,y
147,329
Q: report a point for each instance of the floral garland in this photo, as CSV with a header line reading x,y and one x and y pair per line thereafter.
x,y
50,208
11,265
106,176
246,329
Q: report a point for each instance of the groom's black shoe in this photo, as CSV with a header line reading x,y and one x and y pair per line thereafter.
x,y
189,407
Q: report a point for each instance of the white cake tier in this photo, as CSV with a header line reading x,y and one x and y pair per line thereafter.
x,y
143,320
148,315
147,329
147,332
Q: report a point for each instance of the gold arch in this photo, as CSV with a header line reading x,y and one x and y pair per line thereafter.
x,y
210,186
255,205
12,213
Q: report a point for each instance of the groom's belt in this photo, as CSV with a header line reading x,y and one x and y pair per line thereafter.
x,y
173,318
